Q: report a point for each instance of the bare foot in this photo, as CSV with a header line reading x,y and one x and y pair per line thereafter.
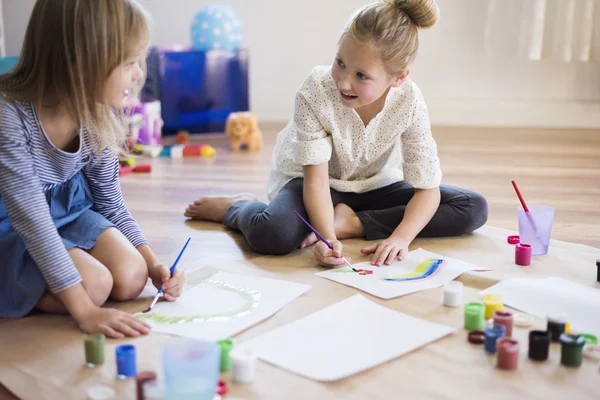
x,y
346,223
310,239
214,208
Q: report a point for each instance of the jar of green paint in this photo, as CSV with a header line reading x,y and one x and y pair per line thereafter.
x,y
94,349
226,347
474,313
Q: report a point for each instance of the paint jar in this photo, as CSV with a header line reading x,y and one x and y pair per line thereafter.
x,y
226,347
453,294
539,345
504,318
508,353
571,350
523,254
94,349
492,303
492,334
244,366
557,325
474,316
535,228
126,362
191,369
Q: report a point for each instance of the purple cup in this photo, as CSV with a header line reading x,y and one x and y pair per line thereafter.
x,y
535,228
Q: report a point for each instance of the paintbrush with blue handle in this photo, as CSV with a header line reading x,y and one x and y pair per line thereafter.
x,y
160,291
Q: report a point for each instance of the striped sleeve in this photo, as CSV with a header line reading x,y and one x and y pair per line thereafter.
x,y
103,177
26,205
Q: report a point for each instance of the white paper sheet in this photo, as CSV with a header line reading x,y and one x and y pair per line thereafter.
x,y
343,339
377,286
551,296
222,306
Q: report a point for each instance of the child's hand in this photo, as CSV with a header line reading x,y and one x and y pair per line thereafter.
x,y
113,323
329,258
386,250
171,285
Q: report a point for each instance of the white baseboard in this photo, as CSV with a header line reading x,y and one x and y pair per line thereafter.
x,y
515,114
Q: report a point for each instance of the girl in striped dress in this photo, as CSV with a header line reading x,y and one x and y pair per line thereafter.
x,y
67,241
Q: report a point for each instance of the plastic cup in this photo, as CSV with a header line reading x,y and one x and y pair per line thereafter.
x,y
191,369
535,228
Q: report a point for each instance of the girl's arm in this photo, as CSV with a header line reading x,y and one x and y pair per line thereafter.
x,y
319,207
421,168
317,199
312,147
419,211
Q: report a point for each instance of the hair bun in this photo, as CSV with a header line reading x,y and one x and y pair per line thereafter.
x,y
423,13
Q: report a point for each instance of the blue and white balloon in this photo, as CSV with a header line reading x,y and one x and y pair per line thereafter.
x,y
217,26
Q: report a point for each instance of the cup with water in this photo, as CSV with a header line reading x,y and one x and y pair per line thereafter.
x,y
191,369
535,228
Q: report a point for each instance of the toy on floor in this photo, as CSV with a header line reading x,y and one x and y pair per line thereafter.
x,y
182,137
127,165
242,128
190,150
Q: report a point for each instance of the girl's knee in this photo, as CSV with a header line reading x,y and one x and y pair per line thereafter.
x,y
130,278
98,284
477,213
272,242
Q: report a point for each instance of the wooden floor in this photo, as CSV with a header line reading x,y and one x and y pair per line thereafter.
x,y
560,168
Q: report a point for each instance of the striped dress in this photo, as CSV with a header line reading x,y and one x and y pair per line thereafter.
x,y
45,191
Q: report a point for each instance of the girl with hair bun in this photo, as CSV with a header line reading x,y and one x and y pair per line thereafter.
x,y
358,159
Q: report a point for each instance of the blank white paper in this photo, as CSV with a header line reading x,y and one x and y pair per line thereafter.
x,y
375,285
343,339
223,305
550,296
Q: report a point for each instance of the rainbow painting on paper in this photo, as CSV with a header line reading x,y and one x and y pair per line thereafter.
x,y
418,270
424,270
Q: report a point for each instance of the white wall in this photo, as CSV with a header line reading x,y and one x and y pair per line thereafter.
x,y
462,85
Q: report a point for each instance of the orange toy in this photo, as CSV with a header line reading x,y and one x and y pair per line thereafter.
x,y
182,137
242,128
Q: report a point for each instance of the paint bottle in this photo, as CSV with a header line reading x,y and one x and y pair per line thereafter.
x,y
504,318
523,254
94,349
539,345
508,353
557,325
492,334
226,347
474,316
453,294
244,366
571,350
126,362
492,303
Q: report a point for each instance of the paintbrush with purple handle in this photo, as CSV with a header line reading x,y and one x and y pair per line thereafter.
x,y
322,238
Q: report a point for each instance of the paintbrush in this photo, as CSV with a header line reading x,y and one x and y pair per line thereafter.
x,y
527,213
322,239
160,291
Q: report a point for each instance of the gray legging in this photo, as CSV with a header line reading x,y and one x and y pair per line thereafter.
x,y
275,229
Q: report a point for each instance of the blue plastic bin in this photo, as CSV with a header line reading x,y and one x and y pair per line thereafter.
x,y
197,89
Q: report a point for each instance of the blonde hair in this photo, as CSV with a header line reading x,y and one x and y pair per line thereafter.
x,y
70,49
391,26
